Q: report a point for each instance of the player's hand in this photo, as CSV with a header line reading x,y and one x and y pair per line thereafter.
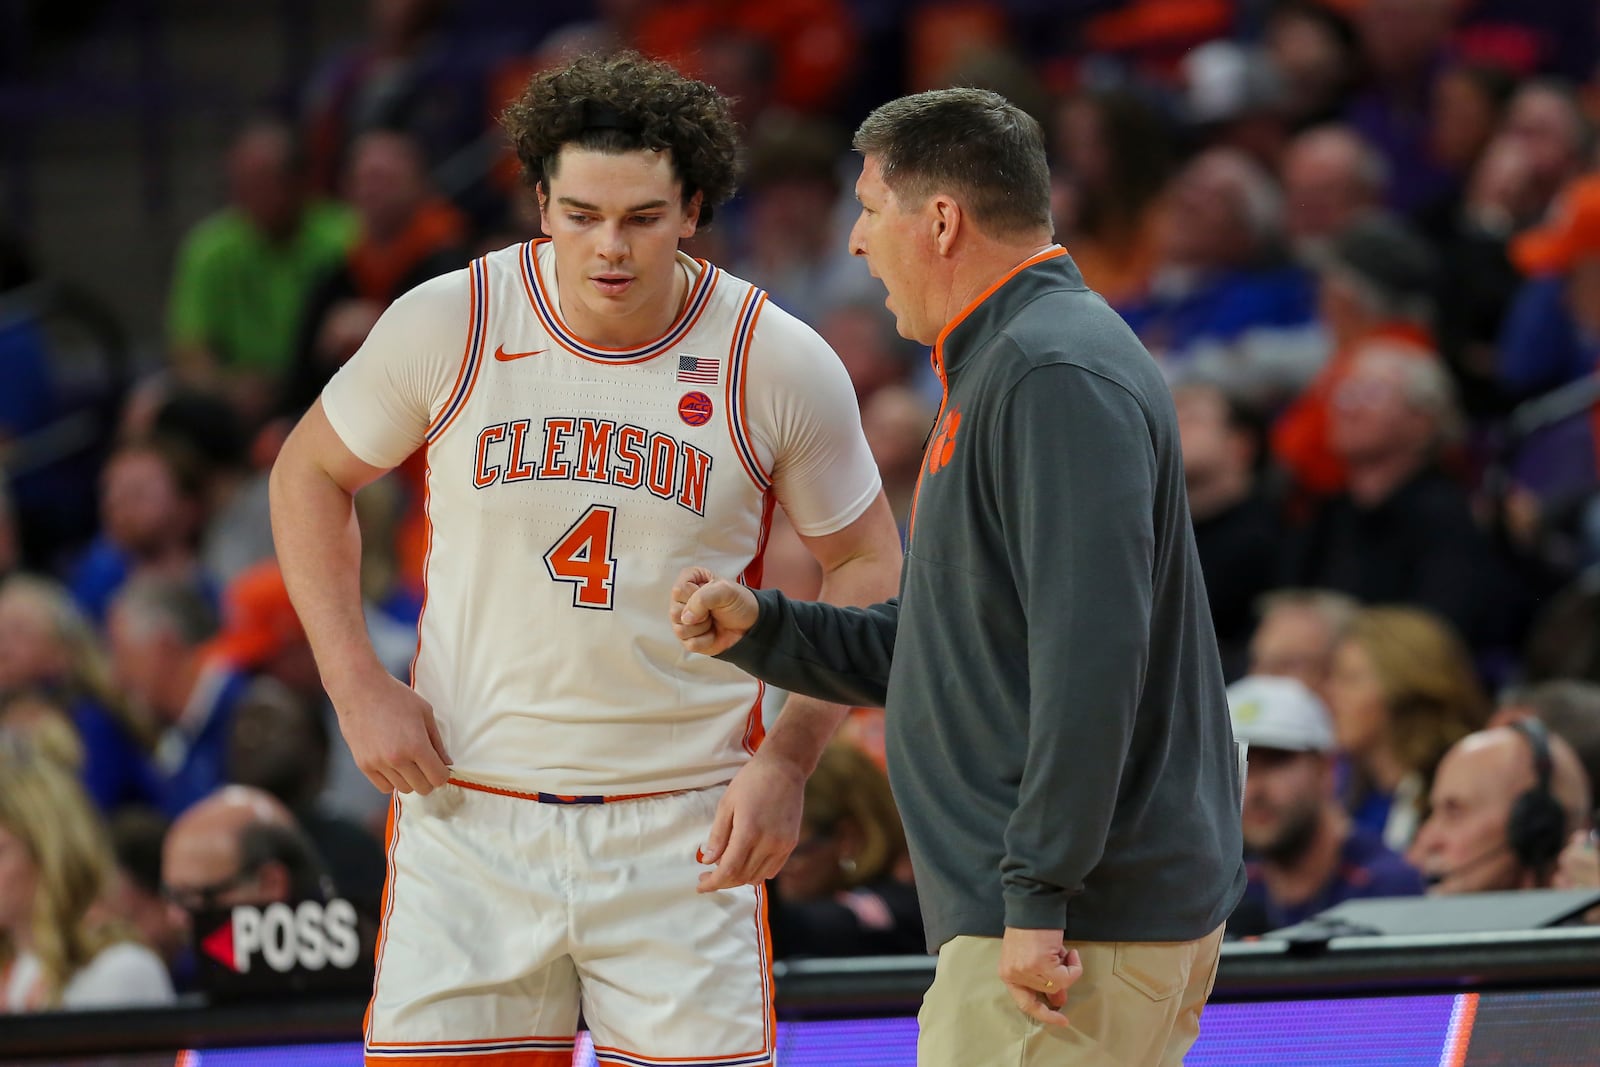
x,y
757,824
710,614
392,735
1037,970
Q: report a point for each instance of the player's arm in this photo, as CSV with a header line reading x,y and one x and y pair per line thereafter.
x,y
860,566
758,821
389,728
825,475
372,415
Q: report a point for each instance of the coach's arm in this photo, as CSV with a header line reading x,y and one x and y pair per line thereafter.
x,y
758,821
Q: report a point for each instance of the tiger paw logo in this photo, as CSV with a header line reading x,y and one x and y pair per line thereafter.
x,y
943,444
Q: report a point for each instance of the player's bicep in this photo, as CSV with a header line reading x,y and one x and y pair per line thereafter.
x,y
314,446
822,468
872,537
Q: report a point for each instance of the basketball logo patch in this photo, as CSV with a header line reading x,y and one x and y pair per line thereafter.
x,y
943,444
695,408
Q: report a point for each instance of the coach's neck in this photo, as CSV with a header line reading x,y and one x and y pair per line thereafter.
x,y
974,260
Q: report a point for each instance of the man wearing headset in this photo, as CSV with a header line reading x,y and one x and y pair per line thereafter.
x,y
1503,805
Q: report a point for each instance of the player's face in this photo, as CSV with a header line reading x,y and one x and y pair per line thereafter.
x,y
886,235
615,221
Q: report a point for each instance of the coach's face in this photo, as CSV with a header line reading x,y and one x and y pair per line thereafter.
x,y
615,220
897,243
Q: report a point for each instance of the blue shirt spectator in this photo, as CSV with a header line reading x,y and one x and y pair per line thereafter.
x,y
1305,853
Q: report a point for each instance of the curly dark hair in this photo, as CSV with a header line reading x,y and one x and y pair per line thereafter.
x,y
621,103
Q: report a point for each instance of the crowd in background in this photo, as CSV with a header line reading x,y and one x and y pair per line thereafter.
x,y
1361,236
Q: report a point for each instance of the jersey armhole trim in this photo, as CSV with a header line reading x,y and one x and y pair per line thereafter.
x,y
472,357
738,359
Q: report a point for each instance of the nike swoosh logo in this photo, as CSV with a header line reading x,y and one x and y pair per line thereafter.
x,y
503,356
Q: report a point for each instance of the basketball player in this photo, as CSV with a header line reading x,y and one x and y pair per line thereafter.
x,y
598,410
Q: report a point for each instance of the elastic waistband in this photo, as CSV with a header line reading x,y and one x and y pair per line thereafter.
x,y
560,798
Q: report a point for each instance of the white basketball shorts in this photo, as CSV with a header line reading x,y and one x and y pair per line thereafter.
x,y
505,914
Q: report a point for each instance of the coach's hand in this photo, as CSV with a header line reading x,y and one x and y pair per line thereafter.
x,y
391,734
757,823
1037,969
710,614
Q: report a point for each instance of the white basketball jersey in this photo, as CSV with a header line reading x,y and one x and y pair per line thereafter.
x,y
567,487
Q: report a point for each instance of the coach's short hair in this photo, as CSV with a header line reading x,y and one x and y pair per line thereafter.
x,y
970,142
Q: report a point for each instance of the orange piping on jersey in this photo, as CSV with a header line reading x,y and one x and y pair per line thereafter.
x,y
707,280
497,791
744,382
1461,1039
738,355
390,839
473,337
937,356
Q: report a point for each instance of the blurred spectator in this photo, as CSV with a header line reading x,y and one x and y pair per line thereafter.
x,y
41,721
158,629
408,75
1469,102
1298,633
135,897
1307,856
55,864
48,648
1402,692
237,531
261,635
1374,281
1114,156
1503,805
1316,53
238,845
897,420
1331,179
1234,97
1570,709
1236,521
864,338
841,892
1552,333
152,509
10,534
408,234
790,249
242,276
810,45
1403,531
1222,271
1403,43
1541,146
279,744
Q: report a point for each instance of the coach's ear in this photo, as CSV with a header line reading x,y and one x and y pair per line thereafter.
x,y
945,221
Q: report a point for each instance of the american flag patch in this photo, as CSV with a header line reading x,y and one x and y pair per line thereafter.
x,y
701,369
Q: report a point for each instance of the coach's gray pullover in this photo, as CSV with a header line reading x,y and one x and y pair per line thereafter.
x,y
1058,734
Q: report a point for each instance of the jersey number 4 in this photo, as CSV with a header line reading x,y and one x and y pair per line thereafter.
x,y
583,557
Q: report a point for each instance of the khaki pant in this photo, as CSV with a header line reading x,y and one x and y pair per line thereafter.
x,y
1137,1005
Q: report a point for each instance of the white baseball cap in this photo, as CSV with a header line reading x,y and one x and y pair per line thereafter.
x,y
1279,713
